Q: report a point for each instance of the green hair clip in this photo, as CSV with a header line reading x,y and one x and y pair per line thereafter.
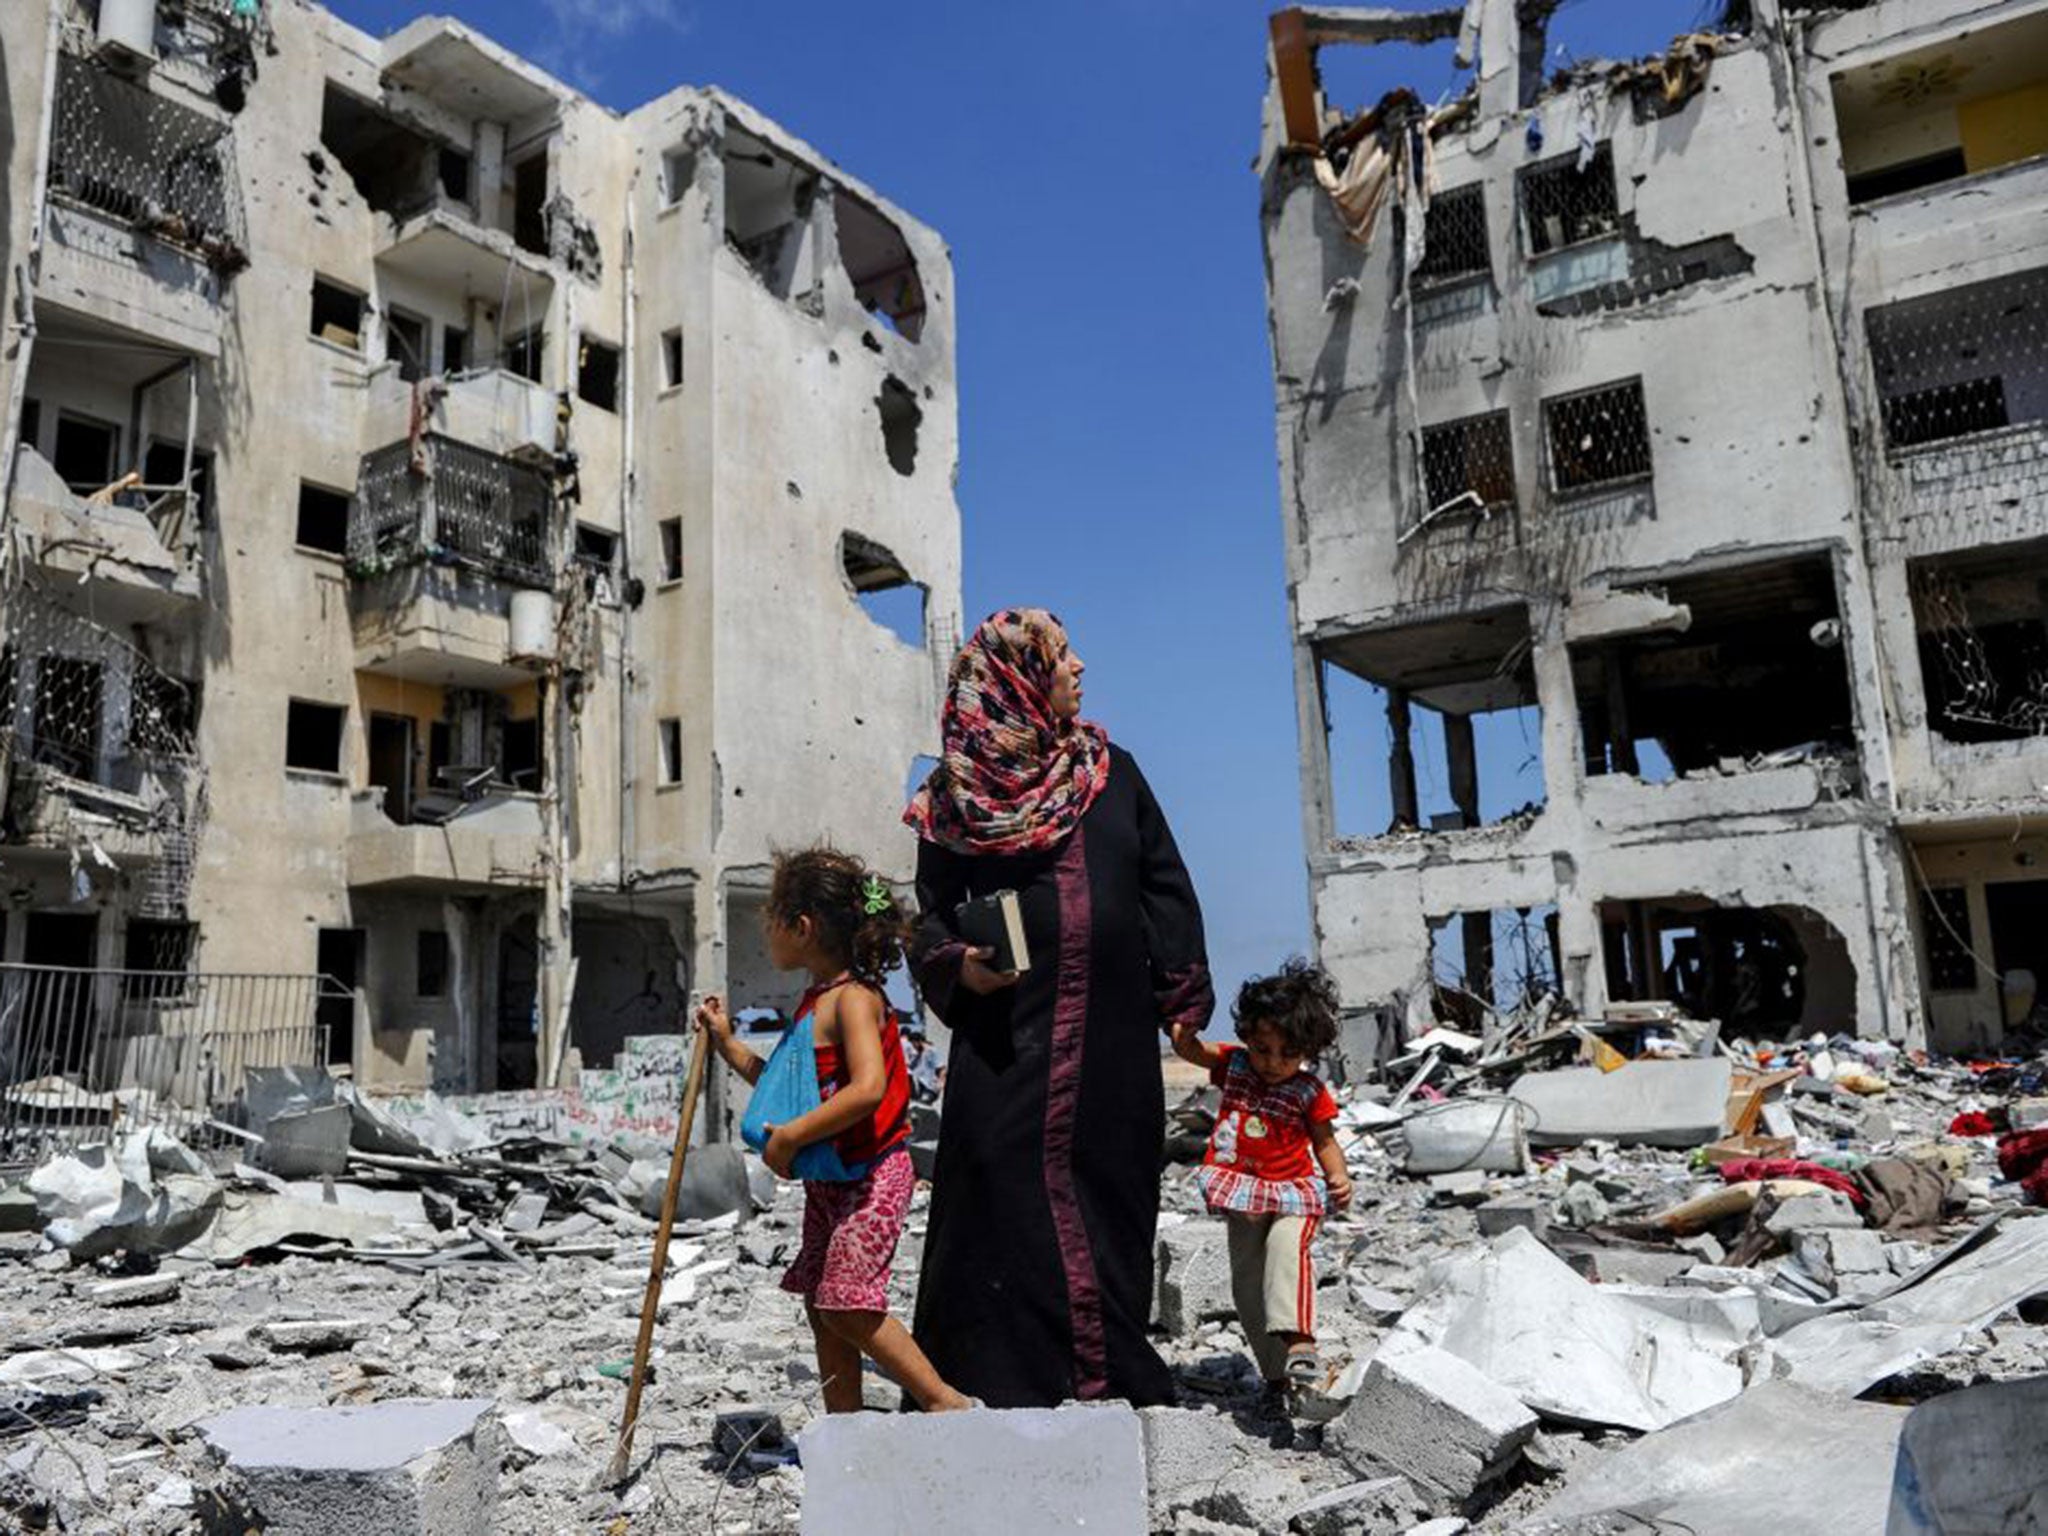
x,y
874,896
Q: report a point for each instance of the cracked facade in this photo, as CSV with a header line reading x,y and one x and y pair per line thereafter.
x,y
455,530
1680,430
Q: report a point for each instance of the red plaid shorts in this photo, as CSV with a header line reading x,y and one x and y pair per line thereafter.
x,y
850,1236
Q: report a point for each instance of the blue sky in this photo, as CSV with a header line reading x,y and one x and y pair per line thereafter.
x,y
1089,162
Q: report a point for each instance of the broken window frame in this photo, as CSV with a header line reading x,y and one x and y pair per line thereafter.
x,y
1983,664
337,296
1960,362
303,717
408,343
1628,390
1441,245
1439,500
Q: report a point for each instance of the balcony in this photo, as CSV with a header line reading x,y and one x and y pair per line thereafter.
x,y
145,221
496,411
494,842
441,537
134,546
440,248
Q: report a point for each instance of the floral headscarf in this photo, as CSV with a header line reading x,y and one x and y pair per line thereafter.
x,y
1012,776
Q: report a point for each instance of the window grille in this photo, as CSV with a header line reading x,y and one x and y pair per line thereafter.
x,y
487,511
1967,359
1598,438
1945,925
1563,205
1469,462
1454,236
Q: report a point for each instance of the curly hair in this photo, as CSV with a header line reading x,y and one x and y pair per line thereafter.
x,y
1299,1001
858,920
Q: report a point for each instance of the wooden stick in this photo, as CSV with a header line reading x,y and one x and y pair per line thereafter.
x,y
622,1457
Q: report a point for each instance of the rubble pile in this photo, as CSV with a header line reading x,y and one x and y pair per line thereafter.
x,y
1591,1267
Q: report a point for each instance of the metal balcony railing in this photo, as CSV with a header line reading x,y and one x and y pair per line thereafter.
x,y
448,502
137,157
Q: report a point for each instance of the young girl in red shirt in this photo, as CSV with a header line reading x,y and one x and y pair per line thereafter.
x,y
828,916
1273,1165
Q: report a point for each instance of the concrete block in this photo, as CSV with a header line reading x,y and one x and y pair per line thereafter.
x,y
1647,1103
312,1336
1467,1187
137,1291
1428,1416
1202,1464
1192,1277
411,1465
1377,1504
981,1473
1372,1303
1826,1208
1506,1211
1838,1253
1703,1246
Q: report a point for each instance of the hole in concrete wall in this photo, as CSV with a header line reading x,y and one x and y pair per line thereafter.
x,y
323,519
1764,972
878,263
1967,104
1497,961
597,374
396,169
1433,725
1968,359
337,314
1563,205
671,358
1746,673
529,203
312,735
883,587
671,531
670,736
768,210
678,170
1984,642
901,417
1597,438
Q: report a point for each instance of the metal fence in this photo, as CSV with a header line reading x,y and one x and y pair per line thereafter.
x,y
470,507
87,1052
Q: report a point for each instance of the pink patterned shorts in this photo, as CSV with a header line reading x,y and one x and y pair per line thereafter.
x,y
850,1235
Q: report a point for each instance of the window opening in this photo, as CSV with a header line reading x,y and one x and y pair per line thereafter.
x,y
519,753
878,263
338,959
1945,926
86,452
1764,972
671,529
312,736
678,170
597,374
337,314
159,947
1598,438
523,354
1492,963
454,349
405,343
323,519
671,751
163,466
529,204
395,169
1469,465
1984,642
767,211
671,358
455,168
1454,236
1564,205
883,588
1966,359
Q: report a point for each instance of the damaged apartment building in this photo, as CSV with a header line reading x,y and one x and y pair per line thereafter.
x,y
454,532
1664,467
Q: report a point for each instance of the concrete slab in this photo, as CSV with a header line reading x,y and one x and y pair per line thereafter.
x,y
411,1465
981,1473
1202,1464
1646,1103
1971,1461
1777,1458
1192,1276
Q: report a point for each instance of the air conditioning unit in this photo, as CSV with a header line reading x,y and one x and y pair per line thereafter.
x,y
127,33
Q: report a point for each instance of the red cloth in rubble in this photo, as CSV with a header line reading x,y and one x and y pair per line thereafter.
x,y
1974,1122
2024,1156
1743,1169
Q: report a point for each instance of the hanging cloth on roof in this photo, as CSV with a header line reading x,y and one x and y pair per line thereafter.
x,y
1360,190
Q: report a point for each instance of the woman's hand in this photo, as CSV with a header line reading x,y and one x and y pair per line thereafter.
x,y
712,1017
978,978
780,1153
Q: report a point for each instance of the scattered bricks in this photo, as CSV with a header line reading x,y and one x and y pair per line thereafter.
x,y
1429,1416
408,1467
980,1473
312,1336
1193,1281
1506,1211
1803,1212
139,1291
1202,1464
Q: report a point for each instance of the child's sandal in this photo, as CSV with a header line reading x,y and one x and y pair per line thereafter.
x,y
1304,1368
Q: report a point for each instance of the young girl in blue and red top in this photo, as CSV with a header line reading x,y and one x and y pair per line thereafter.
x,y
829,916
1273,1164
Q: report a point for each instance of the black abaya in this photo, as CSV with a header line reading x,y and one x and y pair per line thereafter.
x,y
1037,1278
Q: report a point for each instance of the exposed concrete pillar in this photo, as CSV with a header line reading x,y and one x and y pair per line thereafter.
x,y
1477,930
1464,764
1401,759
707,975
490,173
1318,809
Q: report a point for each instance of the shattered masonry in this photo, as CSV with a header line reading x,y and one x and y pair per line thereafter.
x,y
1681,430
453,531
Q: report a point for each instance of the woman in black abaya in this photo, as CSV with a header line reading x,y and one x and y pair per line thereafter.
x,y
1037,1278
